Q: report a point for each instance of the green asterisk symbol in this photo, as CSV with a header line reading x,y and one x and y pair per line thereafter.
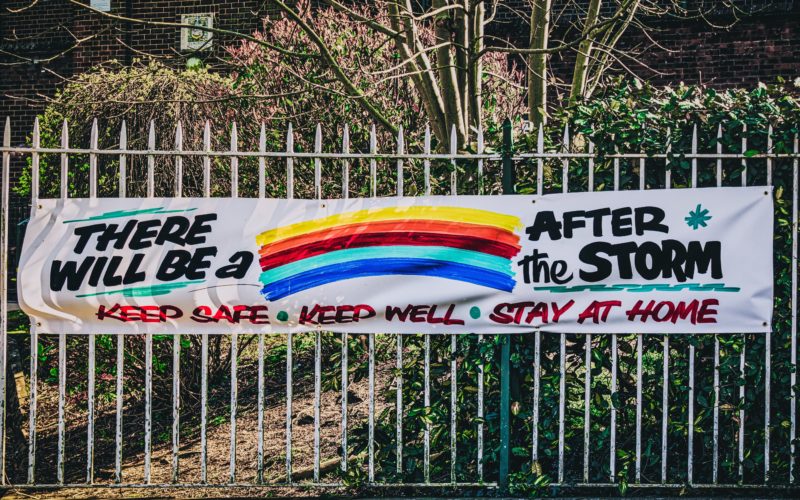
x,y
697,217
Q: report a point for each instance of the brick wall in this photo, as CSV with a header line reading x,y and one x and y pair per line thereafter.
x,y
50,28
759,47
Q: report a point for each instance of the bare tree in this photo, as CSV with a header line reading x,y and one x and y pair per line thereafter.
x,y
443,46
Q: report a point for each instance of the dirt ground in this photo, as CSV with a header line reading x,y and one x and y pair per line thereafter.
x,y
219,440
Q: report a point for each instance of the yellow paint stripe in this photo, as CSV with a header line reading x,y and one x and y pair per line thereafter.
x,y
440,213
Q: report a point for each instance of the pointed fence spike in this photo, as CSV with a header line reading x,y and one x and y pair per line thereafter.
x,y
769,158
64,160
262,161
668,171
373,164
719,152
93,146
35,164
744,158
207,160
318,162
427,161
123,160
346,162
289,162
480,160
400,150
453,164
93,139
151,160
565,161
178,160
591,165
178,135
36,137
694,157
234,162
642,176
540,161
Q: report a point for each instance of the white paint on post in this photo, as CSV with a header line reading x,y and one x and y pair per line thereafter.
x,y
260,406
587,410
34,340
148,405
613,424
664,409
123,183
345,377
371,410
93,146
4,294
234,404
289,382
793,354
176,338
715,418
639,374
317,398
453,409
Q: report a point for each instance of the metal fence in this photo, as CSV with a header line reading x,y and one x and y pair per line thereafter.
x,y
591,411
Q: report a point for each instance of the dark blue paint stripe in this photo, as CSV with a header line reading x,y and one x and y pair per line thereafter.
x,y
391,266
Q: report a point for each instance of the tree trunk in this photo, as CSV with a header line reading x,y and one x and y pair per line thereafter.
x,y
579,75
537,63
423,77
476,64
599,64
462,31
448,81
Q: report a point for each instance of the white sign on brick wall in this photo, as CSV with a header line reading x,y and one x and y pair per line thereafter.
x,y
101,5
197,37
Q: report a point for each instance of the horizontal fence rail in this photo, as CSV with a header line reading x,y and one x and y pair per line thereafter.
x,y
380,410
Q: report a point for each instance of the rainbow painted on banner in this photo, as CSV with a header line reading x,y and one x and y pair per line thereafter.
x,y
463,244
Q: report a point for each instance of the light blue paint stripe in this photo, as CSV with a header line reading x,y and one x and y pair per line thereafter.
x,y
446,254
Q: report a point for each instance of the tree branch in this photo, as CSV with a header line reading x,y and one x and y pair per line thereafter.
x,y
336,68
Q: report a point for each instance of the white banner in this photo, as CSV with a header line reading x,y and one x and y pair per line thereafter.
x,y
665,261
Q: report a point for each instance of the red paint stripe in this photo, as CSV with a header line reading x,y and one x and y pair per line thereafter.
x,y
400,226
492,247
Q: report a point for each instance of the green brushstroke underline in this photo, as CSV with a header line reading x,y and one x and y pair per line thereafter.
x,y
636,288
116,214
146,291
